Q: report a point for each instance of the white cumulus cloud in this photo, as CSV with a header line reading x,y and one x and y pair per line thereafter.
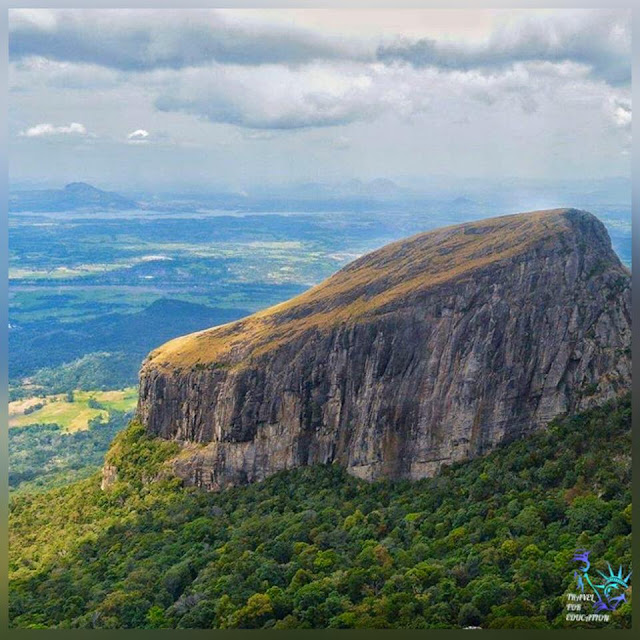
x,y
138,134
48,129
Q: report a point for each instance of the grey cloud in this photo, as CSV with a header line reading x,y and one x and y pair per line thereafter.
x,y
599,39
27,73
278,98
141,40
273,96
228,112
144,40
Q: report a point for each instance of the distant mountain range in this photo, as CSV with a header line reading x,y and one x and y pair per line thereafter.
x,y
74,196
353,195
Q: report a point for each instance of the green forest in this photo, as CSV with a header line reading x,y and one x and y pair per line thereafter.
x,y
42,456
488,543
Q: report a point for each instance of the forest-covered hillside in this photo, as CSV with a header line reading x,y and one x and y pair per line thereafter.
x,y
488,543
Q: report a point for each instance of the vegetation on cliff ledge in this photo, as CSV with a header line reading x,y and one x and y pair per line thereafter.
x,y
488,543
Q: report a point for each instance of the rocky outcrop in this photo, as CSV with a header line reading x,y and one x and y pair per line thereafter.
x,y
428,351
109,476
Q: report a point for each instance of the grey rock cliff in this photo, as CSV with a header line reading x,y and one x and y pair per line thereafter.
x,y
429,351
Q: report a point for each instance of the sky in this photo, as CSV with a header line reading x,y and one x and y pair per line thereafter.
x,y
234,98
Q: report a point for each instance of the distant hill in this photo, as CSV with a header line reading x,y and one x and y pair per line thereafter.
x,y
74,196
132,333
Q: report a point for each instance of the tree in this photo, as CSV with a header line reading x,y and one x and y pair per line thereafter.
x,y
469,616
177,578
254,614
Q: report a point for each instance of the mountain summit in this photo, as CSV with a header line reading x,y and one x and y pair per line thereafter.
x,y
428,351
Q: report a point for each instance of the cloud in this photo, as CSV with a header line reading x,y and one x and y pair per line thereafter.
x,y
342,143
552,84
274,97
620,112
278,97
37,71
249,70
138,134
599,39
253,134
47,129
137,40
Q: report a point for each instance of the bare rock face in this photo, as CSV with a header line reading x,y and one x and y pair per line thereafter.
x,y
109,476
428,351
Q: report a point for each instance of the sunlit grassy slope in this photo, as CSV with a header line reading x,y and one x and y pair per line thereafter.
x,y
368,286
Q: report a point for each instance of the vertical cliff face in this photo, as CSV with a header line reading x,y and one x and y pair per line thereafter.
x,y
428,351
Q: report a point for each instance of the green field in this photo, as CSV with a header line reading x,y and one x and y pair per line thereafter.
x,y
71,416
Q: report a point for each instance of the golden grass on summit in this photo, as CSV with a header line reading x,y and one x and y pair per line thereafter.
x,y
366,286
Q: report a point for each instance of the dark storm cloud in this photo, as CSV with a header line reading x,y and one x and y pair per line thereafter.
x,y
599,39
140,40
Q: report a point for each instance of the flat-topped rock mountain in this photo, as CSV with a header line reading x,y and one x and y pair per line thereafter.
x,y
428,351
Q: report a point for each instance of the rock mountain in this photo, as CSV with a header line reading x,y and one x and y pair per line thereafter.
x,y
428,351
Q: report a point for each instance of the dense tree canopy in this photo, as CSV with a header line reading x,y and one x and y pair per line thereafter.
x,y
42,456
487,543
